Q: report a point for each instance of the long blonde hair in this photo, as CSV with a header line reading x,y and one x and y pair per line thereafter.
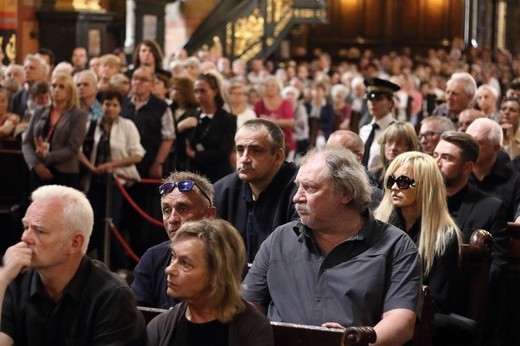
x,y
437,226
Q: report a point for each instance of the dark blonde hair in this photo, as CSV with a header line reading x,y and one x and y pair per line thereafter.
x,y
225,257
403,131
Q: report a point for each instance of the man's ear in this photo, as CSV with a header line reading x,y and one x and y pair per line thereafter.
x,y
77,242
279,155
468,168
211,212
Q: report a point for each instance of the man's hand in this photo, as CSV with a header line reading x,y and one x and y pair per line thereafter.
x,y
17,259
333,325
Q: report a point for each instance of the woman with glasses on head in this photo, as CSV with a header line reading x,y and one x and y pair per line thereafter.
x,y
415,201
398,138
54,136
205,273
212,132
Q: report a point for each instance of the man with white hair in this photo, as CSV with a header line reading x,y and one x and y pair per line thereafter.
x,y
51,293
491,175
460,91
86,81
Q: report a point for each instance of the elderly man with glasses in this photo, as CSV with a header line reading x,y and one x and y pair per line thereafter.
x,y
185,196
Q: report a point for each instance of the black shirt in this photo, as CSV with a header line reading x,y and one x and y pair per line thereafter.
x,y
96,308
214,333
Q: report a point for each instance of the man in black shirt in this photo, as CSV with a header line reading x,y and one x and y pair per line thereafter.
x,y
51,293
473,209
258,197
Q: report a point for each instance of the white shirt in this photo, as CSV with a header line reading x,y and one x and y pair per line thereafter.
x,y
374,160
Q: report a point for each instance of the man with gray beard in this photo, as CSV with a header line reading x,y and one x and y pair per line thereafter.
x,y
337,266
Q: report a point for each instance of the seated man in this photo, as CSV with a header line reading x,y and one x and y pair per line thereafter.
x,y
185,196
258,197
337,266
51,293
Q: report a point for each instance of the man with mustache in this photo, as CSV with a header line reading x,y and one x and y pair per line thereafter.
x,y
337,266
258,197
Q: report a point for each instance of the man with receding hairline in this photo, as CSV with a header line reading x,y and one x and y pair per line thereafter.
x,y
258,197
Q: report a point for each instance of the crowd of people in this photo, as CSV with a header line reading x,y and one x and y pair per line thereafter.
x,y
322,193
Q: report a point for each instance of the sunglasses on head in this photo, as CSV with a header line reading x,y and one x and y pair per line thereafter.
x,y
183,186
403,182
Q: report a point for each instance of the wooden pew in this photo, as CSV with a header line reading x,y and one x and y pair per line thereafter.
x,y
513,285
291,334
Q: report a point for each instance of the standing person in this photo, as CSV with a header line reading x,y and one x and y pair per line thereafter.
x,y
55,134
301,121
415,201
79,59
51,293
109,66
148,53
211,137
185,196
205,273
274,108
337,266
380,104
258,197
86,82
342,110
112,145
321,114
35,70
238,102
184,106
154,121
8,121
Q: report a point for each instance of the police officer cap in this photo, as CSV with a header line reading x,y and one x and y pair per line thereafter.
x,y
377,87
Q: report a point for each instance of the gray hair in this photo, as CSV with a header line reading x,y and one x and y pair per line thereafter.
x,y
495,133
467,79
202,182
346,174
77,211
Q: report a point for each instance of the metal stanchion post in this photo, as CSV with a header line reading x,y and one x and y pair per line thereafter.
x,y
108,219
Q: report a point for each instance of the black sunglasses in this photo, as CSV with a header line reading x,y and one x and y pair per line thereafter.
x,y
183,186
403,182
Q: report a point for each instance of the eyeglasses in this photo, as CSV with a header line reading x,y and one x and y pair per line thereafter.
x,y
403,182
428,135
183,186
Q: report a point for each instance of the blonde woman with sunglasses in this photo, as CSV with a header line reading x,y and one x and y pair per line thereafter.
x,y
415,201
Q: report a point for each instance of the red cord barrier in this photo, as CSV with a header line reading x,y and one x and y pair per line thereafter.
x,y
123,243
136,207
142,180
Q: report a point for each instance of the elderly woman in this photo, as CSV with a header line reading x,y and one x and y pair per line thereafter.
x,y
112,144
208,257
397,139
486,97
415,201
509,121
54,135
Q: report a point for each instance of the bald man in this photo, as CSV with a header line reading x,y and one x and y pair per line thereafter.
x,y
351,141
466,117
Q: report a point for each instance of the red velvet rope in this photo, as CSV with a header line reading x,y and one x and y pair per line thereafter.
x,y
136,207
123,243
